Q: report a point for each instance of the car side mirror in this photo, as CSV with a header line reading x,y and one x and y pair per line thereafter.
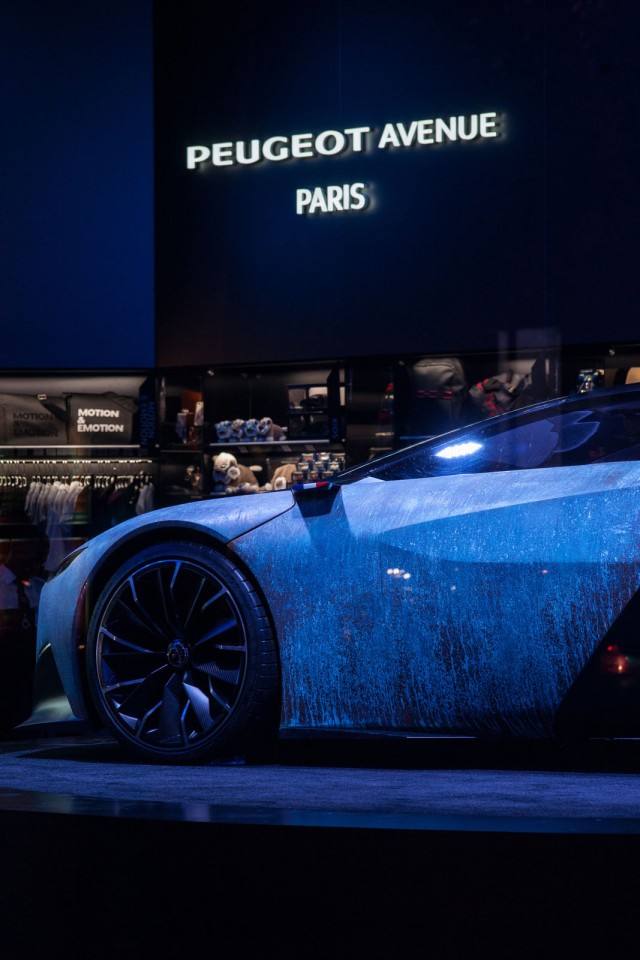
x,y
315,498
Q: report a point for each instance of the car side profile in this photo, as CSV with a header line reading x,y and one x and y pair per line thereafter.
x,y
480,583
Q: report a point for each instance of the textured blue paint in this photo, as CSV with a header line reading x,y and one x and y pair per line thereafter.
x,y
515,579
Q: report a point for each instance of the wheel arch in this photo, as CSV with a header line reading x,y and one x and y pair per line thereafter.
x,y
114,558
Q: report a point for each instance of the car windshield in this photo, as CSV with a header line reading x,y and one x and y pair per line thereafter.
x,y
571,432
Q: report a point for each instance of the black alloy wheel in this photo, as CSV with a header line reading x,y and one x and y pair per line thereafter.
x,y
181,659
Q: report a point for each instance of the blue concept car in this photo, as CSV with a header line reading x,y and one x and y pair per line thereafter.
x,y
480,583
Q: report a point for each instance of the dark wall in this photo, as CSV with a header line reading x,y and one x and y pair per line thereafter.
x,y
76,184
535,232
531,234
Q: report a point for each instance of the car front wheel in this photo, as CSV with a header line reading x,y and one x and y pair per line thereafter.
x,y
181,659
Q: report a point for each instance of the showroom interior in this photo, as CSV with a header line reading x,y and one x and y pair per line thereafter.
x,y
293,238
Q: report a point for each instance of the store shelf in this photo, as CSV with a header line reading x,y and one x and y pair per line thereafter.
x,y
301,411
284,446
183,448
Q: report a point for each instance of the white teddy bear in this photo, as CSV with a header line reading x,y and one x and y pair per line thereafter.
x,y
229,476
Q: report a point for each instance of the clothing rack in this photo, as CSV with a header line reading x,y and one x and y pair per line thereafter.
x,y
101,472
73,460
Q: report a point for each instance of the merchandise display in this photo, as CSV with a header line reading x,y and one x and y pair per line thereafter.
x,y
71,500
314,467
310,467
69,466
250,431
438,391
76,419
50,507
501,393
25,420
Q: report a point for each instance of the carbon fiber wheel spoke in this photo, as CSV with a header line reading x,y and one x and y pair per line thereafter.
x,y
171,654
132,698
215,671
139,726
200,703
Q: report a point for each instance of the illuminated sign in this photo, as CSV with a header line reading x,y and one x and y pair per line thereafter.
x,y
297,146
349,196
333,143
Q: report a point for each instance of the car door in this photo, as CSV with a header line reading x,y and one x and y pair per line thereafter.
x,y
465,601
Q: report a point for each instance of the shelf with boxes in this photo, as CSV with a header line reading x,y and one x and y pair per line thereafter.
x,y
308,468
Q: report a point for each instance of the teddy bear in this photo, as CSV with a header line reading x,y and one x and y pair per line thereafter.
x,y
282,477
230,477
223,430
251,429
269,430
237,430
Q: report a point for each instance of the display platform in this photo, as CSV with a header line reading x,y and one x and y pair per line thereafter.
x,y
377,849
405,784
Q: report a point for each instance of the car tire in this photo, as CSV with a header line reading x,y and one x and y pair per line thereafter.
x,y
181,659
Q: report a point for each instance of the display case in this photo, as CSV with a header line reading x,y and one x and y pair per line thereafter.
x,y
272,420
74,457
183,462
308,411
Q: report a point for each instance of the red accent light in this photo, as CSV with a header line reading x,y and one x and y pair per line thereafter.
x,y
612,661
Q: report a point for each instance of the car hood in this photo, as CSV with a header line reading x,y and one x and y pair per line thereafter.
x,y
224,519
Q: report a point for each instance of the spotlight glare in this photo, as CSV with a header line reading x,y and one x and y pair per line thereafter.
x,y
459,450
